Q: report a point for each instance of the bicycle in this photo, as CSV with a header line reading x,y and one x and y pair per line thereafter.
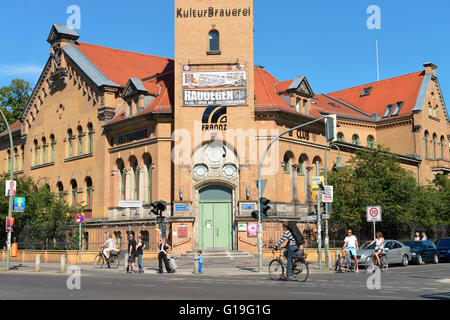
x,y
370,261
348,265
113,260
300,267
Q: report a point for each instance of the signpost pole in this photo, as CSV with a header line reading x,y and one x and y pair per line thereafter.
x,y
79,244
319,227
374,231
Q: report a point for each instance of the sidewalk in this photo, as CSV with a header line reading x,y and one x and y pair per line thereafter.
x,y
151,267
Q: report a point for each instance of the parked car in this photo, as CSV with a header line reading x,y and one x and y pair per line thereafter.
x,y
443,246
396,252
423,251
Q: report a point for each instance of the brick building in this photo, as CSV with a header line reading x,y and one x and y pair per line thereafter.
x,y
105,125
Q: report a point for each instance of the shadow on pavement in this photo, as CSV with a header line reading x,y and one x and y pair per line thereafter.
x,y
438,296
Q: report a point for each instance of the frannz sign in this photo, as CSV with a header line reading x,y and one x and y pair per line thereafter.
x,y
138,135
214,118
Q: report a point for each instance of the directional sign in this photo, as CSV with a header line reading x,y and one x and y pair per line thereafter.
x,y
19,204
373,213
263,185
79,218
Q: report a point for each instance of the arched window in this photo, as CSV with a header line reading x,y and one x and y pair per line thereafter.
x,y
88,193
442,147
120,169
118,236
214,41
145,238
305,106
286,163
355,139
60,188
370,142
80,140
340,137
69,143
44,150
434,146
130,109
302,164
74,191
426,137
148,178
90,138
52,148
36,145
135,179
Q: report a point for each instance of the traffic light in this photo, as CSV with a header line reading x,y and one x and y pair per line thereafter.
x,y
264,205
158,207
330,128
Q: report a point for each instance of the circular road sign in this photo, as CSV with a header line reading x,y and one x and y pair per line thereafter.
x,y
79,218
373,212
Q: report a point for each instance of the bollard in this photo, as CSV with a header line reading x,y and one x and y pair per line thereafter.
x,y
38,263
125,264
63,263
195,266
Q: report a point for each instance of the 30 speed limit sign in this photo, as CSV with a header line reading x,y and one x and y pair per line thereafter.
x,y
374,213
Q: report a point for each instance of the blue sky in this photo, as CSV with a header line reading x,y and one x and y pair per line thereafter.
x,y
325,40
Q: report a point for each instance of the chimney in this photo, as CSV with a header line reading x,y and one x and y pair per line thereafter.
x,y
430,68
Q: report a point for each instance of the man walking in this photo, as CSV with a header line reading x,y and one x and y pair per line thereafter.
x,y
131,253
162,256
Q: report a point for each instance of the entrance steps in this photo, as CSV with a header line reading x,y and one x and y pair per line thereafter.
x,y
217,255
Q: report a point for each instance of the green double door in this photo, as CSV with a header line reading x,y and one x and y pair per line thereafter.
x,y
215,220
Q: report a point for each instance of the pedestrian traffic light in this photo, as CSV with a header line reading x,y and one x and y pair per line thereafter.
x,y
330,128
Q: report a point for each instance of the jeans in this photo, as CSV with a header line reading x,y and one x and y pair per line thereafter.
x,y
289,253
140,262
200,267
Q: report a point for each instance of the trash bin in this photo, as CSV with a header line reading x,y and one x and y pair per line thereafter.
x,y
14,250
195,266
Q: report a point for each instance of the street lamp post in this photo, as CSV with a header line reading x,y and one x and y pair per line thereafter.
x,y
337,167
11,177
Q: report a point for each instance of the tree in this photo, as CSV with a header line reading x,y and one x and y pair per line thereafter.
x,y
376,178
47,219
13,100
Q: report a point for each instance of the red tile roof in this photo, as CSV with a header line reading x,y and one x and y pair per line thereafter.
x,y
390,91
16,126
120,65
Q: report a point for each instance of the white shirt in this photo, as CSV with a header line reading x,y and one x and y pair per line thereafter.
x,y
110,244
378,241
351,241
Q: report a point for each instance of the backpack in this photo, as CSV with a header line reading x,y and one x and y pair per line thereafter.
x,y
292,227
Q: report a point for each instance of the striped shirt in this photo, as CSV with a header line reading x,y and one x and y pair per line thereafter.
x,y
287,235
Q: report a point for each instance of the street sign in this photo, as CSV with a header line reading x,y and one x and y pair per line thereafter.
x,y
373,213
10,188
316,183
263,185
130,203
79,218
327,195
19,204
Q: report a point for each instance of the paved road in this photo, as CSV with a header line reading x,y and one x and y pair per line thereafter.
x,y
399,283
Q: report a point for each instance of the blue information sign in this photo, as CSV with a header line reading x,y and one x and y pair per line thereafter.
x,y
19,204
181,208
247,207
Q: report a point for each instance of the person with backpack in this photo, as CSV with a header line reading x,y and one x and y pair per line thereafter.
x,y
292,246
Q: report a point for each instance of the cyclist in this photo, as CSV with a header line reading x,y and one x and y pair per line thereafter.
x,y
291,247
108,246
351,244
379,246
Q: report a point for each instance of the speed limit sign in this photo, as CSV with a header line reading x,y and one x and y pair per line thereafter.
x,y
374,213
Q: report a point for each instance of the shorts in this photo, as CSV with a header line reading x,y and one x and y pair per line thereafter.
x,y
352,250
132,259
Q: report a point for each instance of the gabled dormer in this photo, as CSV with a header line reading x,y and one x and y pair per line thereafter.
x,y
300,95
138,95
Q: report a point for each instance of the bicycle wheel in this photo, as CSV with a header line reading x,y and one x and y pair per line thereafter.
x,y
300,271
98,261
384,263
114,262
276,269
369,264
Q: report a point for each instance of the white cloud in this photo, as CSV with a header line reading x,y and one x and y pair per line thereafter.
x,y
20,70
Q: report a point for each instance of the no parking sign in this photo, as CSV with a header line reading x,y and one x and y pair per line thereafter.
x,y
373,213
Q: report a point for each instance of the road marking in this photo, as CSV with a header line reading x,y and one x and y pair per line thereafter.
x,y
310,293
385,297
444,280
144,285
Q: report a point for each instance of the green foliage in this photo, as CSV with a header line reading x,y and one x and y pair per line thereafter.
x,y
376,178
13,99
46,220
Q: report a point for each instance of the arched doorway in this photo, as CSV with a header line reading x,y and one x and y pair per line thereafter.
x,y
215,218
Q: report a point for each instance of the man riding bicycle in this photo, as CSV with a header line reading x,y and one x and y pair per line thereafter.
x,y
291,248
351,245
108,246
